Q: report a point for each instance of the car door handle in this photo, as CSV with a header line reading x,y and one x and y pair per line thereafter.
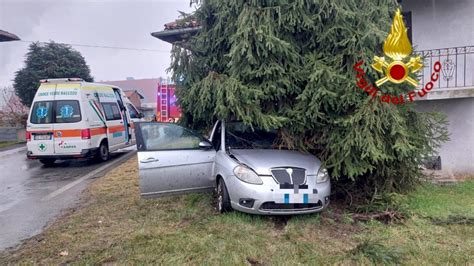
x,y
149,160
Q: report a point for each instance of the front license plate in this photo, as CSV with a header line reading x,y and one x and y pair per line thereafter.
x,y
297,198
43,137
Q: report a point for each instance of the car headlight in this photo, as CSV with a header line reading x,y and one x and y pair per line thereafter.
x,y
246,174
322,175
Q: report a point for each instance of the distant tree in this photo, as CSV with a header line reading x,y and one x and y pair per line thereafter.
x,y
48,60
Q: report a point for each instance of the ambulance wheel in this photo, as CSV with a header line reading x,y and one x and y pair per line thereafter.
x,y
47,162
103,152
223,199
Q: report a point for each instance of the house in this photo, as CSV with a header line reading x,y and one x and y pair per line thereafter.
x,y
440,30
178,30
135,97
143,92
443,30
7,36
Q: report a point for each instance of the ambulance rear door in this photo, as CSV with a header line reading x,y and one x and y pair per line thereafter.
x,y
69,120
40,124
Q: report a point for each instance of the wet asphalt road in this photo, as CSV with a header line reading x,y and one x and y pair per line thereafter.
x,y
32,195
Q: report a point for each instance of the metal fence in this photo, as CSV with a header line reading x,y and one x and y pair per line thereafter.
x,y
12,134
457,66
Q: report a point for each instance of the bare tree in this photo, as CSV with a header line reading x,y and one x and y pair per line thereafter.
x,y
12,112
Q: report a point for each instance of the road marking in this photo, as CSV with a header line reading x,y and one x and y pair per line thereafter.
x,y
87,176
12,151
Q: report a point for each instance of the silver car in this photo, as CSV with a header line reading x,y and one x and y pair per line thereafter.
x,y
250,174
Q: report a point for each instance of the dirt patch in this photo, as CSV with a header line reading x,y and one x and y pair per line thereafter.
x,y
280,222
464,177
339,222
342,231
253,261
385,217
108,261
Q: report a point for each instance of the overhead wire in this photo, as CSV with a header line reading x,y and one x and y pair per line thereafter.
x,y
102,46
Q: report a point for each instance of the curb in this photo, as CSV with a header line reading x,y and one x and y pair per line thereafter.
x,y
102,170
116,162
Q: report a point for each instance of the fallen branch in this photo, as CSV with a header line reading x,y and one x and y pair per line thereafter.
x,y
385,217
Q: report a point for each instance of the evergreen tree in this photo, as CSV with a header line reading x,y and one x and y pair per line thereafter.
x,y
289,65
47,61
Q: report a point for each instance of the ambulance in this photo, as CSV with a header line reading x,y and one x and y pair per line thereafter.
x,y
70,118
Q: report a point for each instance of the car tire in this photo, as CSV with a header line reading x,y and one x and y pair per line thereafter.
x,y
103,152
223,199
47,162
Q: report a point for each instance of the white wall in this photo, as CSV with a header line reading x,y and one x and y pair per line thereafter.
x,y
457,155
444,24
441,23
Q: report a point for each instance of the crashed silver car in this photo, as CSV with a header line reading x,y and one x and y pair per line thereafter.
x,y
251,175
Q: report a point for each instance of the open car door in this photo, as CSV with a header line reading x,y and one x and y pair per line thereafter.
x,y
173,160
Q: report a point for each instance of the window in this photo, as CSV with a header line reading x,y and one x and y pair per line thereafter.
x,y
240,136
67,112
408,24
42,113
133,112
165,136
119,98
432,162
63,111
112,111
216,138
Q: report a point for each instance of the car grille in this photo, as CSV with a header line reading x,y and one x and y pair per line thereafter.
x,y
271,205
282,176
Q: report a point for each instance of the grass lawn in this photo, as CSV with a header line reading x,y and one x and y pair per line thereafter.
x,y
114,225
4,144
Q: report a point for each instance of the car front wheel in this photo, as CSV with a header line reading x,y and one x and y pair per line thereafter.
x,y
223,199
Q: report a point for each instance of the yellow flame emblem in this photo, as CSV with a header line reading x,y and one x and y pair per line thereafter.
x,y
397,46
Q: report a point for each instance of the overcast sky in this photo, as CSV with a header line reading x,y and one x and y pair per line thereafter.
x,y
120,23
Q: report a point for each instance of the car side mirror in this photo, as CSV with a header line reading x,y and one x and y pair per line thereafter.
x,y
140,115
205,145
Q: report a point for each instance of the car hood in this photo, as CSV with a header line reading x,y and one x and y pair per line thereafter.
x,y
261,161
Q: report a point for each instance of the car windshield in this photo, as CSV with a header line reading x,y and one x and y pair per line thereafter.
x,y
240,136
